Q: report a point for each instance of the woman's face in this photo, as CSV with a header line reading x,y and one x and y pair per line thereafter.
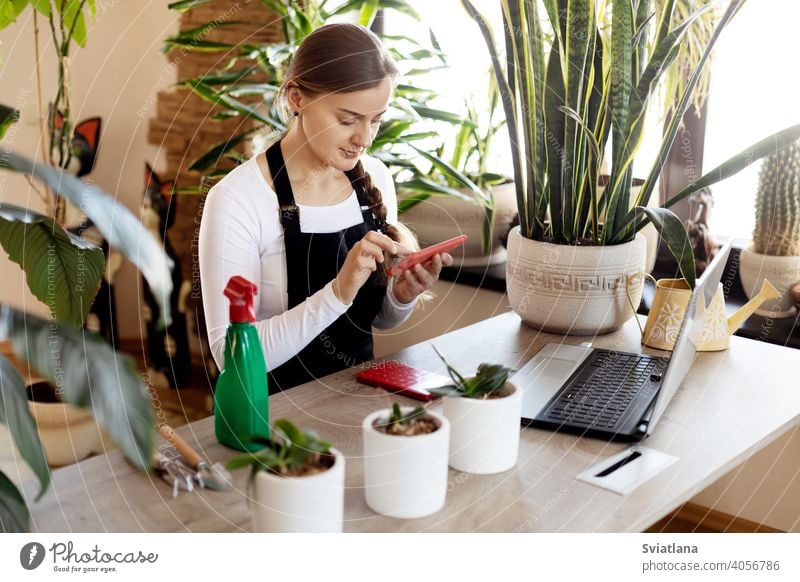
x,y
338,127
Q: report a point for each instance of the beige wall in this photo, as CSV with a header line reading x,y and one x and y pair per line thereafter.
x,y
116,76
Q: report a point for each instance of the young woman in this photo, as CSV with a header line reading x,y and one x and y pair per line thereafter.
x,y
311,220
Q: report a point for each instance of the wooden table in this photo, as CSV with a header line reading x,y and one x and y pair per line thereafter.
x,y
732,404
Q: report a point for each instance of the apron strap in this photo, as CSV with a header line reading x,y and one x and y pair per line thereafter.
x,y
280,180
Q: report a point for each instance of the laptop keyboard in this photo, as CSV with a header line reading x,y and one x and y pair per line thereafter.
x,y
601,393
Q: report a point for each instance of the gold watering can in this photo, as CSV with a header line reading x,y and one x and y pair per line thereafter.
x,y
669,306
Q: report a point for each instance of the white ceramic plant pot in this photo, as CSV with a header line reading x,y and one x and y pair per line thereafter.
x,y
484,434
783,272
68,433
574,290
311,504
439,218
405,476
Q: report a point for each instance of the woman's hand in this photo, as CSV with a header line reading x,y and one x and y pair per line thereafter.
x,y
419,278
361,261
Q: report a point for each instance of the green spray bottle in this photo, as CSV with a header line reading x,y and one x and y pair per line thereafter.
x,y
241,397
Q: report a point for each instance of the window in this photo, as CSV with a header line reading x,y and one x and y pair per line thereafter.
x,y
754,93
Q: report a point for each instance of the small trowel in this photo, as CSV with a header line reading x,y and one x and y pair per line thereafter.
x,y
212,476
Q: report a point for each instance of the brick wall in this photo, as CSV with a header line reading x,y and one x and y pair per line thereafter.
x,y
183,128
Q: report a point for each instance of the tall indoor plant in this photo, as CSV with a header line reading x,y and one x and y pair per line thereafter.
x,y
570,88
64,272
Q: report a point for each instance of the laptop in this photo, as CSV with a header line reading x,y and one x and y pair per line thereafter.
x,y
608,394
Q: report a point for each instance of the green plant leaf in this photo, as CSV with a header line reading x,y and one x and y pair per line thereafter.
x,y
293,434
88,373
479,195
740,161
212,156
184,5
14,516
220,98
42,6
732,166
428,187
439,115
63,271
197,45
369,8
673,233
225,77
116,223
8,117
74,21
15,414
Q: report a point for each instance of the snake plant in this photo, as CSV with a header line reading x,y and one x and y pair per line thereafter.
x,y
569,88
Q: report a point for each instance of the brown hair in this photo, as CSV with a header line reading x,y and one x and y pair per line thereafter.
x,y
343,58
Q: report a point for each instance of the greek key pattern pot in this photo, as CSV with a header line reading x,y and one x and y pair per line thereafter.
x,y
574,290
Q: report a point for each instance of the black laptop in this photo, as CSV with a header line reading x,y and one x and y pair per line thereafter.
x,y
609,394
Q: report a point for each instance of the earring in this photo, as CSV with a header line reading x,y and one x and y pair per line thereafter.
x,y
296,113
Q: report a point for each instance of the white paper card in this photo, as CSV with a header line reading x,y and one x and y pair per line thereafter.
x,y
631,475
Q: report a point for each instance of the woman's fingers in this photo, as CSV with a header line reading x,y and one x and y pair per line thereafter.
x,y
381,240
368,248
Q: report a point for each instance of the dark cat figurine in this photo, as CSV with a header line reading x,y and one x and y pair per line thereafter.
x,y
168,350
85,140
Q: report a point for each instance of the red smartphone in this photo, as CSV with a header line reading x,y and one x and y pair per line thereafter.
x,y
427,254
396,377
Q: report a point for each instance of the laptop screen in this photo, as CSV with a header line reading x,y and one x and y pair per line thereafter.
x,y
690,334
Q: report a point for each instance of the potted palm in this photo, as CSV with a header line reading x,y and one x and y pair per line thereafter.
x,y
484,411
575,261
405,461
297,482
774,253
458,194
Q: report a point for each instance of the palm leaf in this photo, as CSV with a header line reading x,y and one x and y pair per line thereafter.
x,y
673,233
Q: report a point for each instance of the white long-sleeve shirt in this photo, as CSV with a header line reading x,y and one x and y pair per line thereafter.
x,y
241,234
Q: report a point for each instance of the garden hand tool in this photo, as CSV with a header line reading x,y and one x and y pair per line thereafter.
x,y
173,472
212,476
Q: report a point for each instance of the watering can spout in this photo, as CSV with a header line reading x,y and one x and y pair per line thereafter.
x,y
768,291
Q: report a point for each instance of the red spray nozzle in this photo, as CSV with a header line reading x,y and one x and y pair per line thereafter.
x,y
240,291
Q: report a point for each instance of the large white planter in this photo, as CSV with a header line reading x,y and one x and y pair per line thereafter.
x,y
574,290
439,218
484,434
405,476
312,504
783,272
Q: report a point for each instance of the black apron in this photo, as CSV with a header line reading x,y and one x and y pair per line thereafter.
x,y
312,261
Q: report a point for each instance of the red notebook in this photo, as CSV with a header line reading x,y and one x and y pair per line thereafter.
x,y
401,379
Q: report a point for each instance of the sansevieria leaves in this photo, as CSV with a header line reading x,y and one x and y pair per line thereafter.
x,y
63,271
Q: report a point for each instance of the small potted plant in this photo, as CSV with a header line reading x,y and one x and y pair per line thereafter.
x,y
405,461
774,253
484,411
297,482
